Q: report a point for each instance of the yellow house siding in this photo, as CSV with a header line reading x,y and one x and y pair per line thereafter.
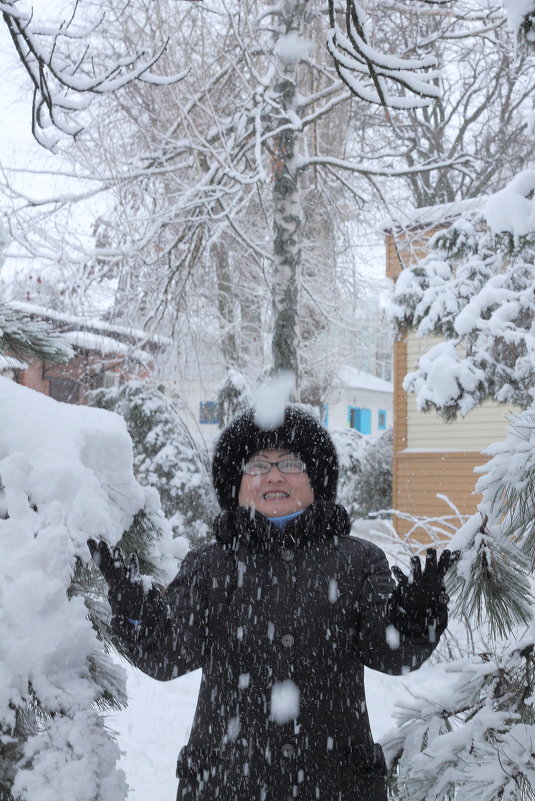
x,y
420,478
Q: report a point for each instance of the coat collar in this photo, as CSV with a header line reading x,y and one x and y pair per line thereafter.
x,y
321,521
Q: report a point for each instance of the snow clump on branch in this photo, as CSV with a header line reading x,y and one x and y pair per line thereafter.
x,y
474,291
65,475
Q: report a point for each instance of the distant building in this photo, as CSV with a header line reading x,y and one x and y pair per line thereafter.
x,y
102,354
359,400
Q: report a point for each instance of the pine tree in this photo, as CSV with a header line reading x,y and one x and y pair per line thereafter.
x,y
65,475
475,291
467,735
351,448
233,396
471,736
23,339
166,457
374,489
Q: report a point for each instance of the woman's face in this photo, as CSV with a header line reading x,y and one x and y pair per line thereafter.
x,y
275,494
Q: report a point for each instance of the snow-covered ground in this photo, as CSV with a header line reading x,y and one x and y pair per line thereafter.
x,y
157,722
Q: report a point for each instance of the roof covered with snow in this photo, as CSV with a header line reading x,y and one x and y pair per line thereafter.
x,y
87,323
432,215
353,378
99,343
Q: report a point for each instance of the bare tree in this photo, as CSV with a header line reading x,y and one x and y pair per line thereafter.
x,y
64,70
485,96
212,182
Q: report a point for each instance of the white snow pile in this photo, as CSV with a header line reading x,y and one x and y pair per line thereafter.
x,y
65,475
512,209
516,11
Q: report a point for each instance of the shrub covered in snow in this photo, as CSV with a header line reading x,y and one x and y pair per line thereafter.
x,y
65,475
475,291
365,477
166,456
233,396
351,449
374,490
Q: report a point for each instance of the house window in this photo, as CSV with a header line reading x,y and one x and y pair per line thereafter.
x,y
209,412
360,419
65,390
381,420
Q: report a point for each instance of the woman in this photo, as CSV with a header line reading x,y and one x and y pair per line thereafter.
x,y
282,611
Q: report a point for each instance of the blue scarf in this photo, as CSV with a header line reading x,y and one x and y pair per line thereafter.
x,y
280,522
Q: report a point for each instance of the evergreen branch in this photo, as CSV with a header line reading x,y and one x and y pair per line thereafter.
x,y
26,339
509,483
490,583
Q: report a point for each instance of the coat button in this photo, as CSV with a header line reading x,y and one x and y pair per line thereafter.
x,y
443,597
287,555
288,640
288,750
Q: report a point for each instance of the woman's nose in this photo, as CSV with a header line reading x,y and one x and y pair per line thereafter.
x,y
274,474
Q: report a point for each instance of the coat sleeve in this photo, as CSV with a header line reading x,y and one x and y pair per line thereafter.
x,y
381,646
175,643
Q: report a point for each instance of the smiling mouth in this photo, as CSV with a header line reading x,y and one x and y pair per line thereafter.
x,y
273,496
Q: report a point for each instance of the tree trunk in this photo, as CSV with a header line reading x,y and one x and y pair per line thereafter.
x,y
287,214
227,307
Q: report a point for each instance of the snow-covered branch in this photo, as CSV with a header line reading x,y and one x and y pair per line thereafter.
x,y
475,290
65,82
459,163
355,60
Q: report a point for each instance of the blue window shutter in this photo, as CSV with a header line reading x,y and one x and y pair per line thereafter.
x,y
208,412
360,419
365,421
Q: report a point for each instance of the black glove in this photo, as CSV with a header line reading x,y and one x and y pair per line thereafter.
x,y
418,606
127,594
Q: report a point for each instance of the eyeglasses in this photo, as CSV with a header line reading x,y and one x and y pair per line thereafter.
x,y
259,468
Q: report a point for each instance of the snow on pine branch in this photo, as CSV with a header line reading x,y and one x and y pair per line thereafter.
x,y
508,482
369,74
475,291
65,475
469,734
22,338
65,79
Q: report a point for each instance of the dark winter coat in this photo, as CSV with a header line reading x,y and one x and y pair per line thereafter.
x,y
260,607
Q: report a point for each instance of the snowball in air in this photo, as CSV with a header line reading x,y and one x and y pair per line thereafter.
x,y
285,700
270,400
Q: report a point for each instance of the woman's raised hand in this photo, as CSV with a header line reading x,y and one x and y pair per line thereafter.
x,y
419,603
127,594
